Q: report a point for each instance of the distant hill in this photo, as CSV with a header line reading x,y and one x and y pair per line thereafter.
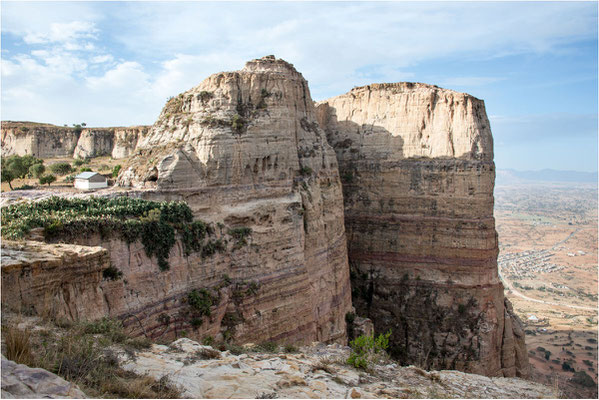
x,y
511,176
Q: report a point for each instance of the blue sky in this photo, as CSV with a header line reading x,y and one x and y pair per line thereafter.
x,y
116,63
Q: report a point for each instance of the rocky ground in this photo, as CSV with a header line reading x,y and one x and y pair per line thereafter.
x,y
316,371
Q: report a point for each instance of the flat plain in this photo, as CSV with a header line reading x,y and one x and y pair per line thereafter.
x,y
548,264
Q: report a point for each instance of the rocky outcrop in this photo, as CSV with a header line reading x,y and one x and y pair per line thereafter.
x,y
417,168
60,280
317,371
243,150
49,141
22,382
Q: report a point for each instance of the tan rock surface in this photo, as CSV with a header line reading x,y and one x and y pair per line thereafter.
x,y
315,372
417,168
275,174
49,141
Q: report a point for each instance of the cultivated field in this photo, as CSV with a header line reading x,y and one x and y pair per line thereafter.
x,y
548,263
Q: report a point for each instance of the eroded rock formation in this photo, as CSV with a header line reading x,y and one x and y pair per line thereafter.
x,y
417,168
244,151
48,141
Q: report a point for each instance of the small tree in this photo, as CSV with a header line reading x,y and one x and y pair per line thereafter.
x,y
61,168
37,170
7,176
366,350
16,166
47,179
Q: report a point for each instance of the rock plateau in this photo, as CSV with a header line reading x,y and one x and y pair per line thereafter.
x,y
418,175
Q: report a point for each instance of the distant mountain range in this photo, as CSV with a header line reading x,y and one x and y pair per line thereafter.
x,y
511,176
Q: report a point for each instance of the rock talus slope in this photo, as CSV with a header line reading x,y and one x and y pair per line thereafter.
x,y
417,168
244,151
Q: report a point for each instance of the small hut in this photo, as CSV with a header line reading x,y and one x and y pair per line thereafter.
x,y
90,180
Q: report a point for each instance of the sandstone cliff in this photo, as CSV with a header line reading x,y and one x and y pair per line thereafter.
x,y
417,168
243,150
48,141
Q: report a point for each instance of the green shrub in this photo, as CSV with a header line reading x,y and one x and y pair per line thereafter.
x,y
37,170
201,301
61,168
47,179
112,273
116,170
237,123
80,161
240,235
204,96
155,224
366,350
306,171
583,379
85,169
25,187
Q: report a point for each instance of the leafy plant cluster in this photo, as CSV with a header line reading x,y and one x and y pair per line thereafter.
x,y
367,350
240,235
156,224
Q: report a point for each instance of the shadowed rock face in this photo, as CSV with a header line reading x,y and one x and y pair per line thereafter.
x,y
417,168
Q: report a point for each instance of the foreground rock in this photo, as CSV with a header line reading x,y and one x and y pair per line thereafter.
x,y
317,372
20,381
418,176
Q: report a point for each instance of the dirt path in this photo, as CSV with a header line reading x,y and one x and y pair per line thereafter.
x,y
517,293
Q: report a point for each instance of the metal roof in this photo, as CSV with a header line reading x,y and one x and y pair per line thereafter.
x,y
86,175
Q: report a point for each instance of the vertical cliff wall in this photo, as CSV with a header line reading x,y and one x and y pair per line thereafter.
x,y
417,168
244,151
48,141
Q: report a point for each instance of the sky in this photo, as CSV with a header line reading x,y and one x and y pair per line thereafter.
x,y
116,63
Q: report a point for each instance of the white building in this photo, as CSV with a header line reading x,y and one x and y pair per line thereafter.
x,y
90,180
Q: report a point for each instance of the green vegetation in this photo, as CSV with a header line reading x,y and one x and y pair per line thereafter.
x,y
61,168
366,350
306,171
240,234
201,301
47,179
80,161
237,123
116,170
112,273
17,167
156,224
85,169
79,352
204,96
583,379
37,170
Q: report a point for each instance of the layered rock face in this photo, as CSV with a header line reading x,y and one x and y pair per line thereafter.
x,y
244,151
49,141
417,169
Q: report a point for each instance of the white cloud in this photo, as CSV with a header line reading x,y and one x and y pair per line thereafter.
x,y
67,33
125,59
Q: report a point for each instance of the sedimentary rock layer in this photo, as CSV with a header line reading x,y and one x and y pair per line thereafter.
x,y
244,151
417,169
47,141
